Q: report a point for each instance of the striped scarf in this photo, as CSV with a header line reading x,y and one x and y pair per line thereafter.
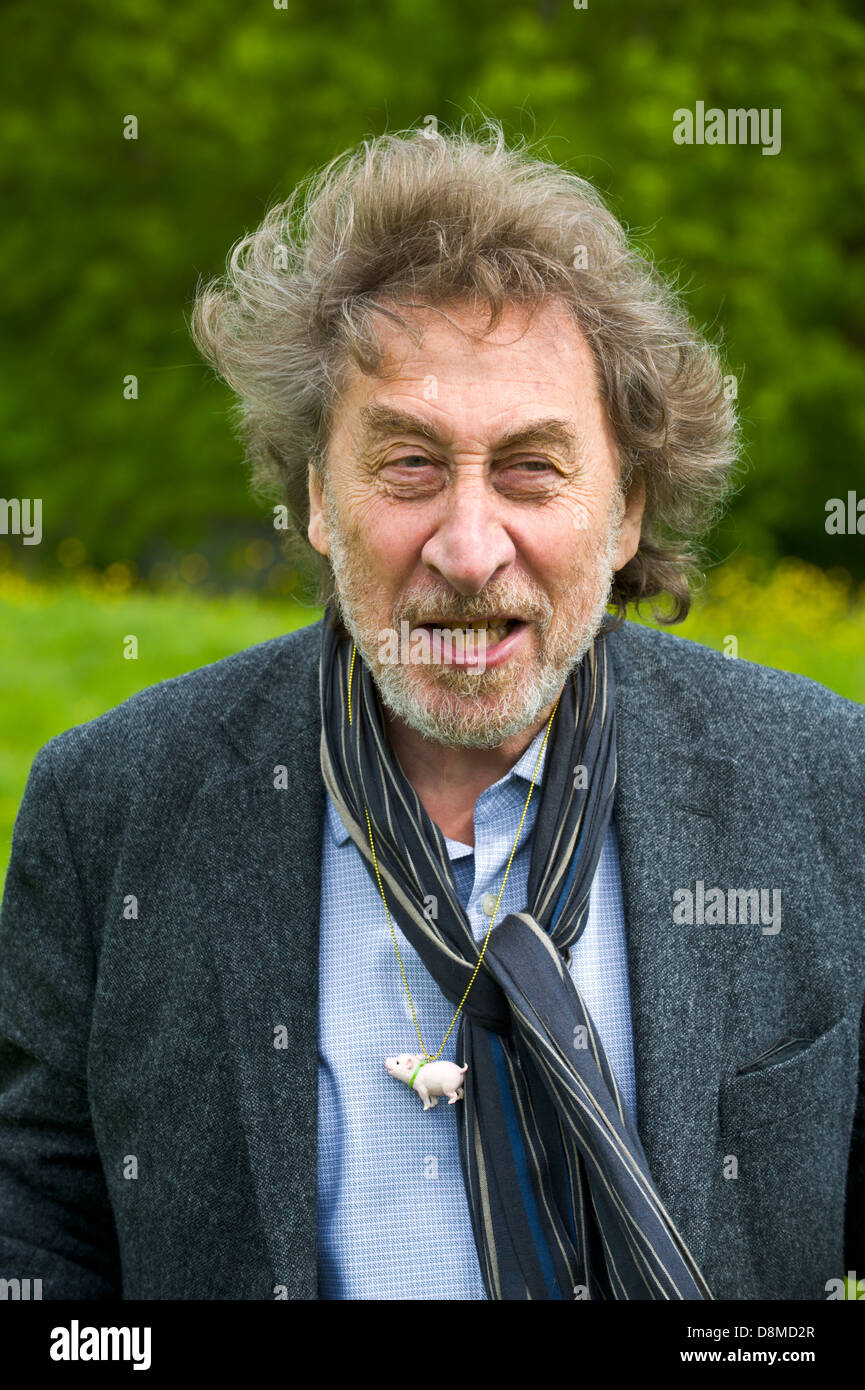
x,y
561,1200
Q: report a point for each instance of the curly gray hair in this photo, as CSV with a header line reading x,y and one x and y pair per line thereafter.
x,y
431,217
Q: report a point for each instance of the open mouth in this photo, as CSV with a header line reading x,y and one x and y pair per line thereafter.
x,y
496,629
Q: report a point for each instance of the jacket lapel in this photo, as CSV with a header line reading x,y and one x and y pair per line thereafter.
x,y
254,847
672,804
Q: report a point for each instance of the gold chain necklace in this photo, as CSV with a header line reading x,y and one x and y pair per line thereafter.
x,y
447,1076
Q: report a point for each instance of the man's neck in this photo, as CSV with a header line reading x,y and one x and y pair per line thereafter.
x,y
450,780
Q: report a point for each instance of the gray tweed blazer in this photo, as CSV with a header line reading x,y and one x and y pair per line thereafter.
x,y
160,921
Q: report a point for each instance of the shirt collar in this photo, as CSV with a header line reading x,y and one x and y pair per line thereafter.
x,y
523,770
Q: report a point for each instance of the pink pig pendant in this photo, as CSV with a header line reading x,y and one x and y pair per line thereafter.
x,y
429,1079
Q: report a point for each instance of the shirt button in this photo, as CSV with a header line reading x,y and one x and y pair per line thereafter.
x,y
488,903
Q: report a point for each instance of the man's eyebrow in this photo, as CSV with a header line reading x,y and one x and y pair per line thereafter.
x,y
379,420
548,431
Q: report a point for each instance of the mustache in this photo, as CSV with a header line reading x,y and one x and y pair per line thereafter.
x,y
460,608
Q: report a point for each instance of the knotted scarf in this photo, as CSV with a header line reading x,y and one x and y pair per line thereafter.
x,y
561,1199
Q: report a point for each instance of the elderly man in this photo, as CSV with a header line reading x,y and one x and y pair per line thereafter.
x,y
471,942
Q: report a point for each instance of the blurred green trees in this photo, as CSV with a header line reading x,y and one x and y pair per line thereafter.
x,y
104,237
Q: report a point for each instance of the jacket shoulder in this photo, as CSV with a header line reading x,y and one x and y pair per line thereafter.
x,y
175,721
739,699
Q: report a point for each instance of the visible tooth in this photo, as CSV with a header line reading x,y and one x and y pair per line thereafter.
x,y
493,633
477,626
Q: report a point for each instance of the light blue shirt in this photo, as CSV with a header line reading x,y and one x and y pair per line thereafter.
x,y
393,1219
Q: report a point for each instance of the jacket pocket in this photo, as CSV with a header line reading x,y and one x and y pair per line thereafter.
x,y
780,1051
785,1116
790,1077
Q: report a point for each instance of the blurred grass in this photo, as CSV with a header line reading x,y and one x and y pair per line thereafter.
x,y
62,663
794,617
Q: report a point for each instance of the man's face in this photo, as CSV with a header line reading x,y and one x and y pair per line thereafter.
x,y
475,480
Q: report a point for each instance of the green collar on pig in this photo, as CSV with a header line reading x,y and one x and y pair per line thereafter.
x,y
416,1070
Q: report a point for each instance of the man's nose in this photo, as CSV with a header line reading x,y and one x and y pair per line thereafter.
x,y
471,544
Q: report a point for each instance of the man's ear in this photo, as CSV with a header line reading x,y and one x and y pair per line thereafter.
x,y
319,536
629,535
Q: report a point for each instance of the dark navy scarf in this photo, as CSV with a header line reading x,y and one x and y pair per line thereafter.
x,y
562,1202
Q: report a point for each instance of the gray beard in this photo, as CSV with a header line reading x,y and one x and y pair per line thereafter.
x,y
449,715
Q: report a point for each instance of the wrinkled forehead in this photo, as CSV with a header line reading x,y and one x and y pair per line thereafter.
x,y
451,379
